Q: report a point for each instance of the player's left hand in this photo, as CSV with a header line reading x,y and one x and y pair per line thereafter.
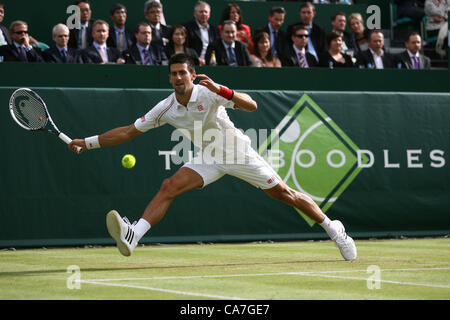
x,y
208,82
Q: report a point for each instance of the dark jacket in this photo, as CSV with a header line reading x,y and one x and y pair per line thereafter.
x,y
240,50
194,36
74,35
290,59
53,55
10,53
317,35
6,34
281,44
424,61
157,55
91,55
112,40
365,60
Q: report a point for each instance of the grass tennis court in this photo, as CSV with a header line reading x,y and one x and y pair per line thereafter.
x,y
407,269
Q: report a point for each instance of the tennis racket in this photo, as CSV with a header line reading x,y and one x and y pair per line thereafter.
x,y
30,112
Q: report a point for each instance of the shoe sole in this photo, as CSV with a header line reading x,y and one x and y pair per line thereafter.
x,y
113,221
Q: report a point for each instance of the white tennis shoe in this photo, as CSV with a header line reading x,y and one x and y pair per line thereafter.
x,y
345,243
122,231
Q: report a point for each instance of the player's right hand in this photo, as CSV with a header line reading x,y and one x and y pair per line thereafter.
x,y
77,143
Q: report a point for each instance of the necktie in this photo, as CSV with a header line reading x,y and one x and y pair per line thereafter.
x,y
274,44
121,41
64,55
146,57
83,37
22,54
416,62
103,54
232,56
302,60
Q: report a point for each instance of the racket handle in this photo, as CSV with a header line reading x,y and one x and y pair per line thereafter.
x,y
67,140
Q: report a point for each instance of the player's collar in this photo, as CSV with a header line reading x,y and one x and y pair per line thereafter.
x,y
194,93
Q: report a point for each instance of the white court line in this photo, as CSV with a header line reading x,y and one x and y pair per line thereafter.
x,y
185,293
312,273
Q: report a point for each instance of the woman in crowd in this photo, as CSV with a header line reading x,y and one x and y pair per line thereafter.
x,y
334,58
233,12
360,35
262,56
178,43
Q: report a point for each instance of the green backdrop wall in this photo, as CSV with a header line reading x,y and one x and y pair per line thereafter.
x,y
49,196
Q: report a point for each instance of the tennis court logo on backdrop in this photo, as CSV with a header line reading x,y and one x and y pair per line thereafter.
x,y
312,154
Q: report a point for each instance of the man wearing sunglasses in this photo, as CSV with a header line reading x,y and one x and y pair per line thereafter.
x,y
297,55
20,50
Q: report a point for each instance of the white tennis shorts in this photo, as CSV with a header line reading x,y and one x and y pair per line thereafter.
x,y
255,171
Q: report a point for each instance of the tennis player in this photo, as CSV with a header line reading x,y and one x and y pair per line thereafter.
x,y
193,107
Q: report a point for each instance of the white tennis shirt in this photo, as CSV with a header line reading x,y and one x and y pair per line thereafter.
x,y
204,117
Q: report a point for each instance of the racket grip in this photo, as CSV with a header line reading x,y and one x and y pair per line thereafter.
x,y
67,140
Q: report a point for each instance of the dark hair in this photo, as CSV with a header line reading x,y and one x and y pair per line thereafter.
x,y
182,58
331,36
117,6
297,27
277,10
145,24
412,33
258,37
2,5
80,1
307,5
340,13
226,14
183,28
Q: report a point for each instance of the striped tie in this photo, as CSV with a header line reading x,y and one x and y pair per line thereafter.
x,y
301,59
146,57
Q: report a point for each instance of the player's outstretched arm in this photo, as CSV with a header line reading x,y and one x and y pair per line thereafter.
x,y
110,138
241,100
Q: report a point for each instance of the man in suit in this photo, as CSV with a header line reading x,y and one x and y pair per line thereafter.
x,y
82,38
339,22
200,32
99,52
20,49
278,38
144,52
317,36
228,50
60,52
119,37
297,55
5,37
411,58
160,33
375,57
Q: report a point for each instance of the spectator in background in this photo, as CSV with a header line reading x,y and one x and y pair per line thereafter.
x,y
233,12
334,56
317,36
437,23
82,38
360,35
144,52
375,57
278,38
153,11
60,52
5,37
99,52
297,55
262,55
413,9
178,44
339,22
119,37
412,58
200,32
20,49
228,50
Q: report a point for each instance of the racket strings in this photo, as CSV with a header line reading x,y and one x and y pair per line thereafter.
x,y
29,111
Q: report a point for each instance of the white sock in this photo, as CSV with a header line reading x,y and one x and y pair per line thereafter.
x,y
141,228
326,224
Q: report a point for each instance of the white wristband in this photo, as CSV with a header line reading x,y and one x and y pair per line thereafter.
x,y
92,142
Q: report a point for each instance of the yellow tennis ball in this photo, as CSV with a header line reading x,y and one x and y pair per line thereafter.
x,y
128,161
